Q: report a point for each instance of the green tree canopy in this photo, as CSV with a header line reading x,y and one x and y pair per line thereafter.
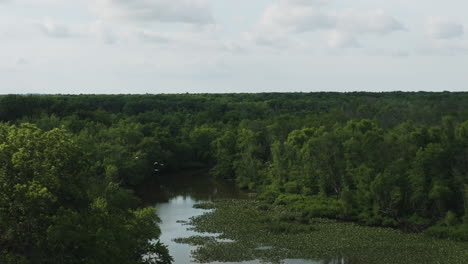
x,y
48,213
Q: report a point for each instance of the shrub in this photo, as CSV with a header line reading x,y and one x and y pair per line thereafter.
x,y
292,187
459,232
450,219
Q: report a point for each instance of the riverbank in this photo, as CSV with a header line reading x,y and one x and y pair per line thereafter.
x,y
252,230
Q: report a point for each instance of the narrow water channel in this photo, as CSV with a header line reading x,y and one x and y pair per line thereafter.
x,y
174,197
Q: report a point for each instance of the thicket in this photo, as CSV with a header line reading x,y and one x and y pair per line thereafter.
x,y
58,207
392,159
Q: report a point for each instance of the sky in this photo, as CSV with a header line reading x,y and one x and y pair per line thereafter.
x,y
232,46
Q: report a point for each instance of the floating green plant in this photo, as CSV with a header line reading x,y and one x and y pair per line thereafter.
x,y
276,234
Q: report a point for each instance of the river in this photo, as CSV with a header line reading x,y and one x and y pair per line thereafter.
x,y
174,196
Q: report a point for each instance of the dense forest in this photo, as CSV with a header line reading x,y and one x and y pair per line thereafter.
x,y
68,164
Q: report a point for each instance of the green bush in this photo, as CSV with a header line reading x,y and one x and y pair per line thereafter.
x,y
288,228
263,207
292,187
269,196
459,232
311,206
451,219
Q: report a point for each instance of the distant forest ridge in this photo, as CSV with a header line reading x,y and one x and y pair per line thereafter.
x,y
399,106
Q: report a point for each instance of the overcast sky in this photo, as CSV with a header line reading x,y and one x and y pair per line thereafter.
x,y
197,46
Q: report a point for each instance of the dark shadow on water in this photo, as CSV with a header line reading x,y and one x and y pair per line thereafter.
x,y
196,185
174,196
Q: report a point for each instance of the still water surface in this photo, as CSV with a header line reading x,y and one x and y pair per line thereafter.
x,y
174,197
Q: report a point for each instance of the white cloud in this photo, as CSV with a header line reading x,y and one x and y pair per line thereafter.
x,y
401,54
227,44
285,19
53,29
371,22
444,28
306,2
97,29
165,11
154,37
288,18
187,41
22,61
340,39
103,31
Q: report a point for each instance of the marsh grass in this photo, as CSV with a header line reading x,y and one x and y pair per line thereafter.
x,y
271,234
204,206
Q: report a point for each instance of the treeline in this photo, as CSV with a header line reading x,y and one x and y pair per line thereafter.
x,y
411,176
393,159
56,206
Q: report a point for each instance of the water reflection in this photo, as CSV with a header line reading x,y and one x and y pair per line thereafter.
x,y
171,212
175,195
198,186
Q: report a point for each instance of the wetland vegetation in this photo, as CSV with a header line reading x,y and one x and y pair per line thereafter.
x,y
70,167
272,233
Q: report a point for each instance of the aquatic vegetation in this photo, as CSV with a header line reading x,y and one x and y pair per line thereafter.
x,y
271,233
205,206
195,240
459,232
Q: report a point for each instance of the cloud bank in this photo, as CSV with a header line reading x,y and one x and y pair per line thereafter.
x,y
444,28
289,17
164,11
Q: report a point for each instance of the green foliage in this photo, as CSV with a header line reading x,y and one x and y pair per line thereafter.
x,y
49,215
225,152
393,159
450,219
201,139
459,232
249,233
465,201
292,187
270,194
248,167
361,171
311,206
